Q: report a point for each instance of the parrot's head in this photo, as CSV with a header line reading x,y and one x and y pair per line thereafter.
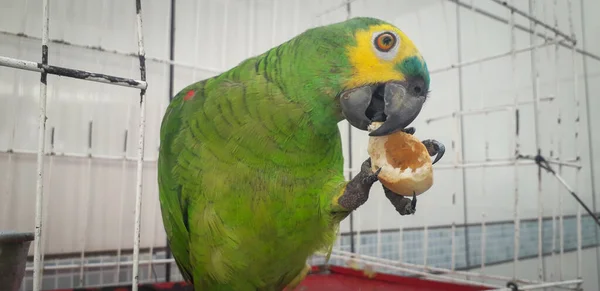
x,y
382,76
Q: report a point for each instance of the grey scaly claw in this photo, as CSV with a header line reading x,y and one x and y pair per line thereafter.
x,y
403,205
357,190
413,204
434,148
372,178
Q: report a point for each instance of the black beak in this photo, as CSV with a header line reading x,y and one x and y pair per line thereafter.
x,y
396,104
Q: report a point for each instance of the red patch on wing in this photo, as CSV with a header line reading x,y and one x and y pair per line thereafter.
x,y
189,95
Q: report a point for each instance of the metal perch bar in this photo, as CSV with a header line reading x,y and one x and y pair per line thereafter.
x,y
562,181
544,164
72,73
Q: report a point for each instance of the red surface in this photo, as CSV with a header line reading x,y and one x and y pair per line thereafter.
x,y
340,278
337,279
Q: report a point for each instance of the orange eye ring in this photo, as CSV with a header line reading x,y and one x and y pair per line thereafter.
x,y
385,41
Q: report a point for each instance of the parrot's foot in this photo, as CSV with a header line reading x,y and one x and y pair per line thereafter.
x,y
357,190
434,148
298,279
404,206
409,130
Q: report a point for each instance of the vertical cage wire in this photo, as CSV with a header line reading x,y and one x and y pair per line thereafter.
x,y
591,149
556,145
516,142
39,193
460,150
455,160
141,141
486,145
536,121
576,133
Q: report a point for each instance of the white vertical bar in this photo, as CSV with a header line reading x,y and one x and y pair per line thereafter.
x,y
516,143
425,245
454,141
379,204
453,246
48,185
553,139
87,198
39,194
358,231
124,181
105,20
486,142
84,233
536,100
400,243
483,250
577,115
559,154
140,157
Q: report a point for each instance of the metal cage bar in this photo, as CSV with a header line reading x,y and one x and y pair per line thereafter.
x,y
44,68
140,157
39,193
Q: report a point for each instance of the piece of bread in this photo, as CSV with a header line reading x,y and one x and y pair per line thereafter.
x,y
404,161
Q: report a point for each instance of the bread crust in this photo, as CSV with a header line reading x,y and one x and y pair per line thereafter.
x,y
404,161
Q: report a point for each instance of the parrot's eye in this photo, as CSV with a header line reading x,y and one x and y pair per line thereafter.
x,y
385,41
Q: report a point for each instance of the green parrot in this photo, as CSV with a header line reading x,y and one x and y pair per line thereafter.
x,y
250,168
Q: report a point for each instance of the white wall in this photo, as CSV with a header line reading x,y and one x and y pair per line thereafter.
x,y
86,198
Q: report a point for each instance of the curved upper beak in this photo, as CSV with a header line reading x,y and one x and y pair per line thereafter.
x,y
395,103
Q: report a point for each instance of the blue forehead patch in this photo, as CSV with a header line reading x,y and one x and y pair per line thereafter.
x,y
413,67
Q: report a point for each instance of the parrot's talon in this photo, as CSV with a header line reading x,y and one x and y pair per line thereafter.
x,y
357,190
409,130
411,208
403,205
366,166
434,148
369,180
